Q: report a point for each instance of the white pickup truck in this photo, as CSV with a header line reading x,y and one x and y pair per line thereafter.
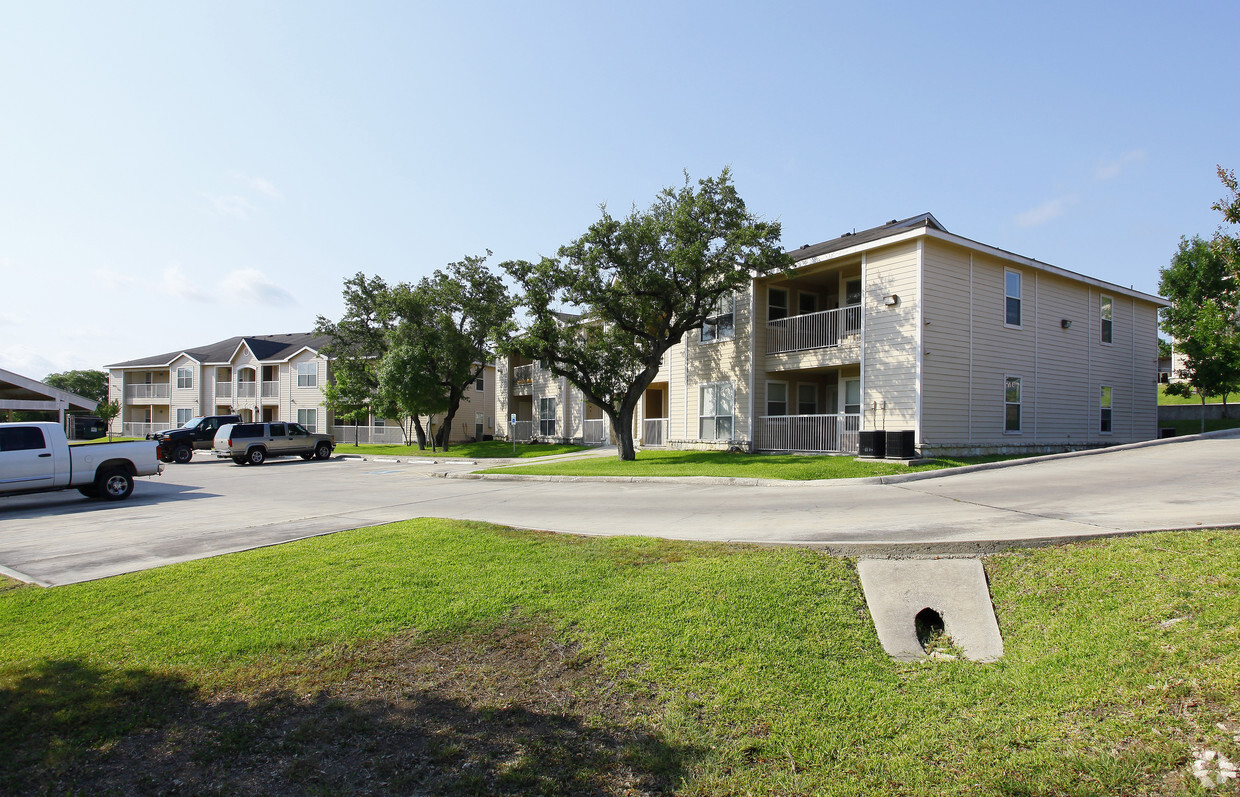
x,y
35,457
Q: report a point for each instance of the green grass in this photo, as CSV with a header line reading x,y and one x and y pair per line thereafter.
x,y
103,439
1120,655
1194,426
1163,398
721,463
488,449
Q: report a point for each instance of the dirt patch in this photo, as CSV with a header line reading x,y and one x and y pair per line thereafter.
x,y
513,711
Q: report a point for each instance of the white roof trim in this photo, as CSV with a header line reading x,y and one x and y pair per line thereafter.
x,y
55,393
985,249
233,356
299,351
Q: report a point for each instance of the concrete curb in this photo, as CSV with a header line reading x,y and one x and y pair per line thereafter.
x,y
897,478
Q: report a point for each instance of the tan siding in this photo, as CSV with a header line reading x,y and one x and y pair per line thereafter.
x,y
891,339
946,365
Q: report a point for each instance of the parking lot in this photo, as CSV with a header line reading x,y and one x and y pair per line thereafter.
x,y
208,507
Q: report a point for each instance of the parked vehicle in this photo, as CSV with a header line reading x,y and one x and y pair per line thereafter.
x,y
179,444
35,457
254,443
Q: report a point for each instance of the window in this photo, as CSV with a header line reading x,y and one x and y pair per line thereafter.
x,y
22,438
1011,293
1105,312
308,374
852,292
1011,404
480,383
852,396
380,423
308,418
185,377
776,398
715,411
546,417
278,430
776,305
807,399
184,416
807,303
1104,403
719,324
297,430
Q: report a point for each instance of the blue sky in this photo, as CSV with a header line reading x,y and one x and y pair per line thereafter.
x,y
174,174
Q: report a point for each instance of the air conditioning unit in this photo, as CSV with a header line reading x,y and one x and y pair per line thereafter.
x,y
901,444
872,444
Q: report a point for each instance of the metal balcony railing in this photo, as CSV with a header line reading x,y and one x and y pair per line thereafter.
x,y
654,431
813,330
148,391
828,434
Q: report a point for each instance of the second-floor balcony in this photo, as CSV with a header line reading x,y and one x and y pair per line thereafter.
x,y
819,330
223,389
158,390
523,380
271,389
247,389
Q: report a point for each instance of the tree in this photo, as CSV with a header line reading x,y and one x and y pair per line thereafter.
x,y
87,384
641,284
107,412
1202,320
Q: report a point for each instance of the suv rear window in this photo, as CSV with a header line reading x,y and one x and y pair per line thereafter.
x,y
247,430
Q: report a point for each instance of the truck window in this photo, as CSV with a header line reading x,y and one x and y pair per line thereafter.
x,y
297,430
22,438
248,430
277,430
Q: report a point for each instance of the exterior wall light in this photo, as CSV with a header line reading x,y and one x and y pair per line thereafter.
x,y
1065,324
892,300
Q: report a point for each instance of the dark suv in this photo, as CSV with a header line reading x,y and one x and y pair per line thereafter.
x,y
178,445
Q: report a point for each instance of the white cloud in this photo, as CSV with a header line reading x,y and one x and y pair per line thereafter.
x,y
176,282
259,185
1050,209
235,206
1113,169
251,286
114,279
11,320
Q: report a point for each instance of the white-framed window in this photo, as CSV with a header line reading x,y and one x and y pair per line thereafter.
x,y
852,298
308,419
720,324
546,417
776,304
183,415
807,399
380,423
1106,310
308,376
1011,404
1011,297
480,383
776,398
185,377
715,411
852,396
1104,409
807,302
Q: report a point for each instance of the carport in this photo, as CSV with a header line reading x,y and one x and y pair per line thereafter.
x,y
19,392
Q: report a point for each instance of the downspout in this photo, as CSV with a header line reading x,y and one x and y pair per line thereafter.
x,y
865,287
970,348
921,338
753,358
1132,372
1036,384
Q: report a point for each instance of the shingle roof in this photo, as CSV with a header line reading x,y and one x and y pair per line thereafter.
x,y
264,347
893,227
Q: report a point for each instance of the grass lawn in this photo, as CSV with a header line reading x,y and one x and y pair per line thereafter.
x,y
1194,426
1163,398
488,449
460,658
104,439
721,463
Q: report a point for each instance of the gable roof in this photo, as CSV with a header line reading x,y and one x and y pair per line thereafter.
x,y
265,348
928,226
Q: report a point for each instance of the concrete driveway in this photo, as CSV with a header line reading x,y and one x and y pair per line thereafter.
x,y
208,507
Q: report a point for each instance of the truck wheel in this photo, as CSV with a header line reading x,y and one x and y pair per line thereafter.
x,y
256,456
182,454
322,450
114,484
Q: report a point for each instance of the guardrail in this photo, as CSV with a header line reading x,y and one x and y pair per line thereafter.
x,y
654,431
828,434
819,330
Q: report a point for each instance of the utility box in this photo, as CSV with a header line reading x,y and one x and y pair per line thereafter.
x,y
901,444
871,444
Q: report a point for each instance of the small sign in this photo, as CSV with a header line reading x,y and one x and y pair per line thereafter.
x,y
513,419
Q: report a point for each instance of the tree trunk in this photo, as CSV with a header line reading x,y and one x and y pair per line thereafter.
x,y
445,429
417,425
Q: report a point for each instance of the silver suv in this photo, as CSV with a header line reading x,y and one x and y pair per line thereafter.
x,y
253,443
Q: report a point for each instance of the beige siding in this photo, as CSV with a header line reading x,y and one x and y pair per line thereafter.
x,y
947,341
891,336
694,363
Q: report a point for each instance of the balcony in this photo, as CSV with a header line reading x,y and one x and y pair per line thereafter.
x,y
223,390
822,330
139,429
593,431
654,431
362,435
523,380
147,392
271,390
247,389
826,434
522,430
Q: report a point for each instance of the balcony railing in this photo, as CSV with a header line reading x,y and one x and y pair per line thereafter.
x,y
813,330
247,389
522,430
137,429
523,380
271,389
828,434
223,389
158,390
593,431
654,431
